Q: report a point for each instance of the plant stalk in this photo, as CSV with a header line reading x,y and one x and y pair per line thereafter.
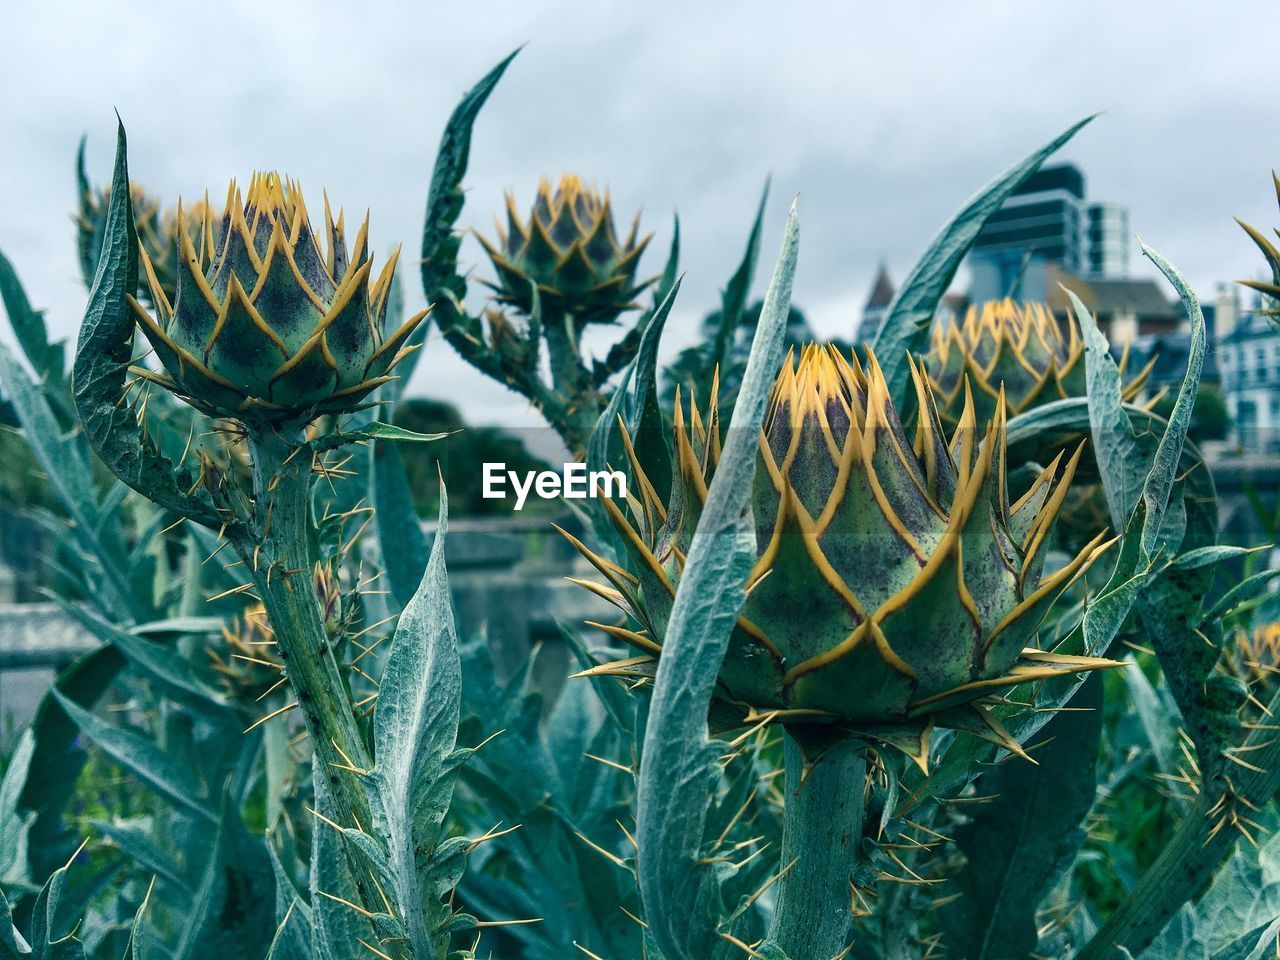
x,y
1185,867
282,558
822,827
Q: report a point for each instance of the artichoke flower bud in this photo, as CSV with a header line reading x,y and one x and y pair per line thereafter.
x,y
569,249
154,233
249,666
263,325
1017,346
895,586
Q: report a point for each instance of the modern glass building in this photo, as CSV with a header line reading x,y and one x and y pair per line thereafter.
x,y
1107,239
1048,221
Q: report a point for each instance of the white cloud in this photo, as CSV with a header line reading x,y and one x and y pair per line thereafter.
x,y
884,120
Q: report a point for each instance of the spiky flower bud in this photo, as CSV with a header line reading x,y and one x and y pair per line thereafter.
x,y
895,585
248,665
264,326
569,249
1019,347
153,233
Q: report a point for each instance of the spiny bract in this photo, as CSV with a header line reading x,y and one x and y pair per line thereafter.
x,y
569,249
264,326
249,666
1256,657
1270,290
895,587
1019,347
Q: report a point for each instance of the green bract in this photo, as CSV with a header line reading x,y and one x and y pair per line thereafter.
x,y
264,326
569,249
895,586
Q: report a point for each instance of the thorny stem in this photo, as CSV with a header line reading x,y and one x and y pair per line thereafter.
x,y
578,402
822,827
281,556
1207,833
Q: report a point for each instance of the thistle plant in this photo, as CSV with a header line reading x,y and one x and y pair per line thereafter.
x,y
558,272
267,334
568,255
894,585
853,574
1015,350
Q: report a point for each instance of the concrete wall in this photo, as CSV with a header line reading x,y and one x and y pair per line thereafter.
x,y
508,581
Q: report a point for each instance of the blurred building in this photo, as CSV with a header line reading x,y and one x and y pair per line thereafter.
x,y
1107,239
1048,223
877,305
1125,309
1248,354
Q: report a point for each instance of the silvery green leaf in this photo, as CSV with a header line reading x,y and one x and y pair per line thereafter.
x,y
1244,897
415,729
1121,460
682,896
14,821
337,927
402,543
292,940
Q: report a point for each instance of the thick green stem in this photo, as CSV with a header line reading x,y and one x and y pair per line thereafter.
x,y
576,403
821,831
282,558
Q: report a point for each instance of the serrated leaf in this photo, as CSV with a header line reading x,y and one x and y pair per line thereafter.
x,y
103,355
682,896
443,287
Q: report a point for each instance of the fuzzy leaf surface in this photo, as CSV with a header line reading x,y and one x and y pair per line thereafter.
x,y
682,897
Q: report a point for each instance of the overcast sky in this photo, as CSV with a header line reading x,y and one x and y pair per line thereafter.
x,y
883,117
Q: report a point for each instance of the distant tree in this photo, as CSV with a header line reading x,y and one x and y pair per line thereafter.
x,y
1210,419
461,457
694,366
